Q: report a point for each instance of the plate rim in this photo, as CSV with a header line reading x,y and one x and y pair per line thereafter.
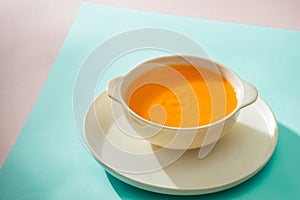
x,y
179,191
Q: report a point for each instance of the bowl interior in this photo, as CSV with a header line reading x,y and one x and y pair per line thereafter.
x,y
127,86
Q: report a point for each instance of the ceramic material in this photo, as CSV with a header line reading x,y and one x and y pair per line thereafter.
x,y
236,157
182,138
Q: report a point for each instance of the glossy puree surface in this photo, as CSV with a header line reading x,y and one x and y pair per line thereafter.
x,y
181,96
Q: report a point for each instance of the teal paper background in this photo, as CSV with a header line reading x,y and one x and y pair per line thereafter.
x,y
48,160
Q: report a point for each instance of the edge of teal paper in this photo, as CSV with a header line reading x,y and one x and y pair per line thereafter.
x,y
48,160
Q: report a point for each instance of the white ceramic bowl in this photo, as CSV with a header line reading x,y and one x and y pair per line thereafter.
x,y
174,137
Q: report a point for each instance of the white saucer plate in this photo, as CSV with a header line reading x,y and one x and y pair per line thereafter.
x,y
235,158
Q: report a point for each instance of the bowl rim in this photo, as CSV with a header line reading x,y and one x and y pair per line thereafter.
x,y
235,111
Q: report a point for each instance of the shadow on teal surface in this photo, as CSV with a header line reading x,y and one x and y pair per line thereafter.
x,y
277,173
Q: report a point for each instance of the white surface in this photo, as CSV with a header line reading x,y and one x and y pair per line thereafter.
x,y
190,136
235,158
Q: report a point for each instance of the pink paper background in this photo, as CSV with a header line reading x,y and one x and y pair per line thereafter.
x,y
32,33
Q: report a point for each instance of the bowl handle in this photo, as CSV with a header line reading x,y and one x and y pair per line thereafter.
x,y
113,89
250,94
